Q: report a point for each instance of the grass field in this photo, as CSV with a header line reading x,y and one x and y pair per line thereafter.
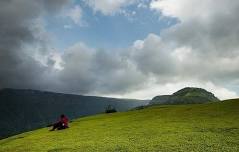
x,y
205,127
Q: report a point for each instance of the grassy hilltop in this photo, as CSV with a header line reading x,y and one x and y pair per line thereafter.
x,y
199,127
186,95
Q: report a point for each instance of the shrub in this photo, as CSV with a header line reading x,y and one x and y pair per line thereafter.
x,y
110,109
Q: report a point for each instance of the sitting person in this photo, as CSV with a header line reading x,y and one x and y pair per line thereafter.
x,y
61,124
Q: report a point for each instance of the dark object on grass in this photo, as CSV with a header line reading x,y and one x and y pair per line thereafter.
x,y
61,124
110,109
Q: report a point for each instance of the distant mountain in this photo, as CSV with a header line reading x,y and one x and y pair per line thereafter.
x,y
24,110
185,96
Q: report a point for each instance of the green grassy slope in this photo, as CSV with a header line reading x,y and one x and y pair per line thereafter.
x,y
205,127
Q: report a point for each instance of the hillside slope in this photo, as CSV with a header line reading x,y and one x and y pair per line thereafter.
x,y
24,110
198,127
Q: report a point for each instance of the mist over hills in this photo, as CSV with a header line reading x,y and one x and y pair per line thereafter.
x,y
24,110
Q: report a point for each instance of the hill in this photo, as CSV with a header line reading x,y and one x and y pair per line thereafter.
x,y
198,127
185,96
24,110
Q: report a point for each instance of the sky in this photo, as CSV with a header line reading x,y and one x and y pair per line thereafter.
x,y
120,48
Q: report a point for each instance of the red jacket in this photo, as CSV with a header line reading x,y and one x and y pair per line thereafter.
x,y
64,121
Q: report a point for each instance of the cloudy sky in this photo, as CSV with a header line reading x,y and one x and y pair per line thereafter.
x,y
120,48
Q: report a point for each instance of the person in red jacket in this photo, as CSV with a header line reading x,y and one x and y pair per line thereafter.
x,y
61,124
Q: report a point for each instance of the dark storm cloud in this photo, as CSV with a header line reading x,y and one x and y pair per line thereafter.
x,y
85,70
18,68
53,6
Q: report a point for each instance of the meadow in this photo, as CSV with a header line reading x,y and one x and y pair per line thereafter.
x,y
166,128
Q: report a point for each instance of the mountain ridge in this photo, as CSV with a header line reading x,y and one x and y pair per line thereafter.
x,y
25,109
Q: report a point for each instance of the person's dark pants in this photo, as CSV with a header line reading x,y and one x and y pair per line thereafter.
x,y
59,126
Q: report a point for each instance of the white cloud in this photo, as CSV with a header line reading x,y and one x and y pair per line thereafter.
x,y
88,70
203,44
76,15
138,44
185,9
181,54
